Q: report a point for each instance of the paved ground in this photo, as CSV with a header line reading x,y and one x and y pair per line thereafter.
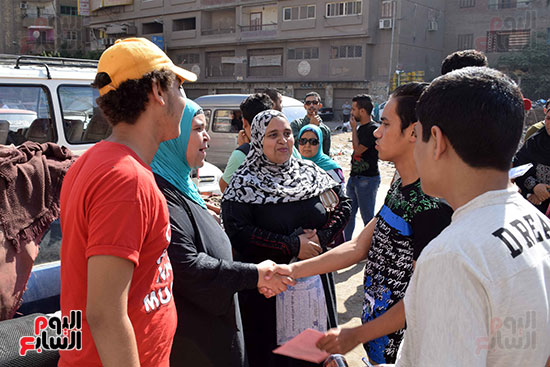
x,y
349,282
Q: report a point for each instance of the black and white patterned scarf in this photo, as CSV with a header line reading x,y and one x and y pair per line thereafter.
x,y
260,181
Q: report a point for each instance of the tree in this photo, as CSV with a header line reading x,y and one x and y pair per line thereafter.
x,y
530,68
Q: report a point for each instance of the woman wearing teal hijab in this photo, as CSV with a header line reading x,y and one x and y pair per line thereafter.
x,y
170,161
206,279
310,139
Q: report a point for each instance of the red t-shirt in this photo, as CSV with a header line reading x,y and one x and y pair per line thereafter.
x,y
111,205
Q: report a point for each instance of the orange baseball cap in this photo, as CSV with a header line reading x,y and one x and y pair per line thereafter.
x,y
132,58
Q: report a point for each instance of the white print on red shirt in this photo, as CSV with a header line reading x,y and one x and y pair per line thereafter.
x,y
162,294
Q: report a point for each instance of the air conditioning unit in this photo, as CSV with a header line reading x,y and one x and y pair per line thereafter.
x,y
23,6
385,24
432,25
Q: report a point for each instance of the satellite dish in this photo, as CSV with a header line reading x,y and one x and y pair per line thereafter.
x,y
36,34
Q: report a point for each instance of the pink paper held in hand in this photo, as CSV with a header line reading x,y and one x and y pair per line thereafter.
x,y
302,346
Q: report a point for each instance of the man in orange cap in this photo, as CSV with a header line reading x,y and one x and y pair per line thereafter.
x,y
114,265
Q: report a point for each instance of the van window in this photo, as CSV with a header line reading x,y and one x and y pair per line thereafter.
x,y
83,122
207,114
25,114
227,121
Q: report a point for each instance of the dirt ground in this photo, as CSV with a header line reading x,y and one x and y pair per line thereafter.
x,y
349,282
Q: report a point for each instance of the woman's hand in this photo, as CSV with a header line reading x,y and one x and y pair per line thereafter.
x,y
308,248
541,190
312,235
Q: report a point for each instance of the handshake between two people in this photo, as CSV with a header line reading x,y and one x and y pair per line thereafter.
x,y
274,279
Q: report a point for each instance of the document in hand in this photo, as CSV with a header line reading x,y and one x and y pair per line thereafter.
x,y
303,347
519,171
301,307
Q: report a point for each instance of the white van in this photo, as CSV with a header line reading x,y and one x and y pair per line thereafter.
x,y
50,99
45,99
222,112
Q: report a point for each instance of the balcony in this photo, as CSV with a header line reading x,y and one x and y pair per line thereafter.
x,y
259,31
217,31
38,21
32,41
259,27
218,23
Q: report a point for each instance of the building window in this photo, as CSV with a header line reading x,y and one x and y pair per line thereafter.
x,y
220,64
151,28
387,9
303,53
185,24
465,41
504,41
299,12
467,3
343,8
68,10
346,52
188,58
71,35
507,4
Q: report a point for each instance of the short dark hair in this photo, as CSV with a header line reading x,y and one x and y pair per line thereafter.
x,y
254,104
480,111
461,59
363,101
313,94
406,96
130,99
272,93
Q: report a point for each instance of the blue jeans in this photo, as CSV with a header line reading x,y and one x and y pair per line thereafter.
x,y
362,192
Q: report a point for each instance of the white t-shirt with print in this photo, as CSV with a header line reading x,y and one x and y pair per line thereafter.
x,y
480,293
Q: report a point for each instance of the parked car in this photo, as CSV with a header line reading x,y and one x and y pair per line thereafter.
x,y
221,110
60,107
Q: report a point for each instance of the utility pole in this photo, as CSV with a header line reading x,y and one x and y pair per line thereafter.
x,y
393,26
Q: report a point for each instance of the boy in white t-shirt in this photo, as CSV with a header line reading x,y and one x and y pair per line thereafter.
x,y
480,292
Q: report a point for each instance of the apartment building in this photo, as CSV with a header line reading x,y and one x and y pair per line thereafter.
x,y
36,26
337,48
496,27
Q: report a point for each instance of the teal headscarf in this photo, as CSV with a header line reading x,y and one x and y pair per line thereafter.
x,y
320,159
170,161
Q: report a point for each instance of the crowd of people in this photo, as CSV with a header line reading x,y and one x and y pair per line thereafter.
x,y
453,258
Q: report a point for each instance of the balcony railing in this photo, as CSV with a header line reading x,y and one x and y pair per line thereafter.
x,y
259,27
210,32
32,41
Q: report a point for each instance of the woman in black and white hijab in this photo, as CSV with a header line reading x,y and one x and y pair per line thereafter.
x,y
280,208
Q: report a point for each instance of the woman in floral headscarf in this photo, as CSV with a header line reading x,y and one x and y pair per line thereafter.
x,y
281,208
